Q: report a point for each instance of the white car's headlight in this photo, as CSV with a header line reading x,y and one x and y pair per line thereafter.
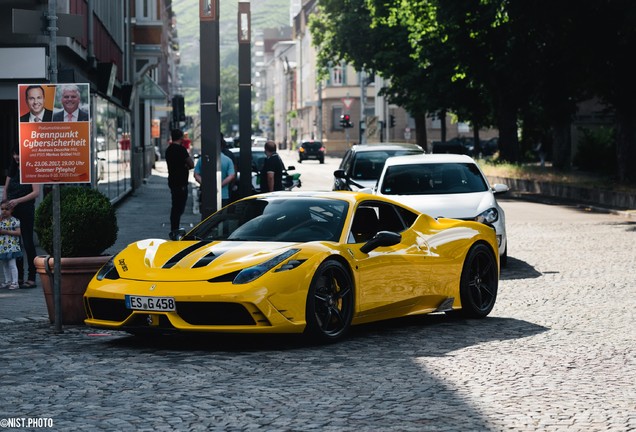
x,y
252,273
489,216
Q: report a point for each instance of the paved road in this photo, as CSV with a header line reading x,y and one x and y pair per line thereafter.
x,y
556,354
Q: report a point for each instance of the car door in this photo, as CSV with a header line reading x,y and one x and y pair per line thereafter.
x,y
389,277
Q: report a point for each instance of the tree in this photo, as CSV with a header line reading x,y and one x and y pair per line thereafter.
x,y
383,48
229,96
610,41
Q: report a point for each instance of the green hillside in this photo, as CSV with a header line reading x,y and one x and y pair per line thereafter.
x,y
264,13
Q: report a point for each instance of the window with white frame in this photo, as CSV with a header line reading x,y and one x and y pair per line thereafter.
x,y
337,75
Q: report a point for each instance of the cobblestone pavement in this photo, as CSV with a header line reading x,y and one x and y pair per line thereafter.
x,y
556,354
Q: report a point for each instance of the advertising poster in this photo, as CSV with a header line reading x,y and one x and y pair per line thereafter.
x,y
54,133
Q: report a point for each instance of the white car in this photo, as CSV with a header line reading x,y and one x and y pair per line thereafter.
x,y
445,185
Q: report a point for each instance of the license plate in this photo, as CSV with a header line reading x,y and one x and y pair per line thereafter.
x,y
165,304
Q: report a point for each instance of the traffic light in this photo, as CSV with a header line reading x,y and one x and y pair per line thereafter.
x,y
345,121
178,109
391,120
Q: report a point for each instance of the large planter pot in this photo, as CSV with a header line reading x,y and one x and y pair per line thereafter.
x,y
76,273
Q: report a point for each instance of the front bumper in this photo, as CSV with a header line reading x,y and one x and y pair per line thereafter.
x,y
200,307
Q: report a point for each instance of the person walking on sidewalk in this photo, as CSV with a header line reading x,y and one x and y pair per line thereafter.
x,y
21,200
227,177
9,246
272,173
179,165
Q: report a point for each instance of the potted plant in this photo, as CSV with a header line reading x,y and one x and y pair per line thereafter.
x,y
88,226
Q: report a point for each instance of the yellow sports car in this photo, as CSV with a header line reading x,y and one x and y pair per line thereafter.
x,y
292,262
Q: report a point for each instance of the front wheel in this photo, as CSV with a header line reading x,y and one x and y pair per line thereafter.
x,y
479,282
329,309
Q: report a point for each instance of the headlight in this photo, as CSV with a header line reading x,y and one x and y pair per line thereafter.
x,y
108,271
252,273
488,217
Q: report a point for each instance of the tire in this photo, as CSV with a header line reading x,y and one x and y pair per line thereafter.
x,y
330,300
503,259
478,283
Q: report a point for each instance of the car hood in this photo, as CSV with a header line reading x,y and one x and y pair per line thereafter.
x,y
158,259
458,206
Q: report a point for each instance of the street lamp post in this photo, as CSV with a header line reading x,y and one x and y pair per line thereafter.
x,y
210,107
245,99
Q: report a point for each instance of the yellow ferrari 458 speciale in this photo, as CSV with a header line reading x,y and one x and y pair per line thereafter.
x,y
292,262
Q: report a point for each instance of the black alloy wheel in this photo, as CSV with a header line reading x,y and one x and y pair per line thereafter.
x,y
479,282
329,309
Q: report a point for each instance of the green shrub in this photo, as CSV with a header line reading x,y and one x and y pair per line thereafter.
x,y
596,151
88,223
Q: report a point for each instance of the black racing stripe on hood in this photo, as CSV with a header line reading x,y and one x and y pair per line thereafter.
x,y
178,257
206,260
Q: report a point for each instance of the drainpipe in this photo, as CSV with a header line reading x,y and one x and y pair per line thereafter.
x,y
90,54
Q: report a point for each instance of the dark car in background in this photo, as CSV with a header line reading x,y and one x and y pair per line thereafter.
x,y
489,147
457,145
311,150
362,165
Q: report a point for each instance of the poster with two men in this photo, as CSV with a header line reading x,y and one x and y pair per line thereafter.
x,y
54,133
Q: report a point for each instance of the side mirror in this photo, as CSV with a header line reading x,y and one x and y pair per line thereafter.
x,y
500,188
383,238
339,173
291,168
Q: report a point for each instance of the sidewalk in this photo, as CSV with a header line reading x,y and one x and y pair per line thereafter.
x,y
143,214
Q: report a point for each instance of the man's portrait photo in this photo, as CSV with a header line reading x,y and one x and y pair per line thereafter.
x,y
35,98
70,97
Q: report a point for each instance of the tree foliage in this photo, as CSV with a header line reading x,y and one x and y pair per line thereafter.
x,y
496,63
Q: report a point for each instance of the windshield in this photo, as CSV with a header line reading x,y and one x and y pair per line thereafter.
x,y
368,165
433,178
275,219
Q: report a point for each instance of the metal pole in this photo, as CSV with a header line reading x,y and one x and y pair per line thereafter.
x,y
210,107
363,100
57,233
245,99
319,113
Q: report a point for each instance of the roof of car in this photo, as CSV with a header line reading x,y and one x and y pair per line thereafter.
x,y
429,158
385,146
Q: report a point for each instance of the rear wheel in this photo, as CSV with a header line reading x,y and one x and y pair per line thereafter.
x,y
329,309
479,282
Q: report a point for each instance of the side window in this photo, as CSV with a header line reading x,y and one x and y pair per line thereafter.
x,y
374,216
390,219
346,161
407,216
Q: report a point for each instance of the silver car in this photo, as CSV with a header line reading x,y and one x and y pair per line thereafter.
x,y
362,165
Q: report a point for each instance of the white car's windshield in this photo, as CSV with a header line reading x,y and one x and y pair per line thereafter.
x,y
433,178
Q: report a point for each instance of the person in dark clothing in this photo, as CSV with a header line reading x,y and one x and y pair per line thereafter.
x,y
179,165
21,199
272,173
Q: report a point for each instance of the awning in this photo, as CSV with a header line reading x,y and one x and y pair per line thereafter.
x,y
148,89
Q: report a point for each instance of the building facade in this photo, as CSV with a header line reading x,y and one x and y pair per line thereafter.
x,y
123,49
